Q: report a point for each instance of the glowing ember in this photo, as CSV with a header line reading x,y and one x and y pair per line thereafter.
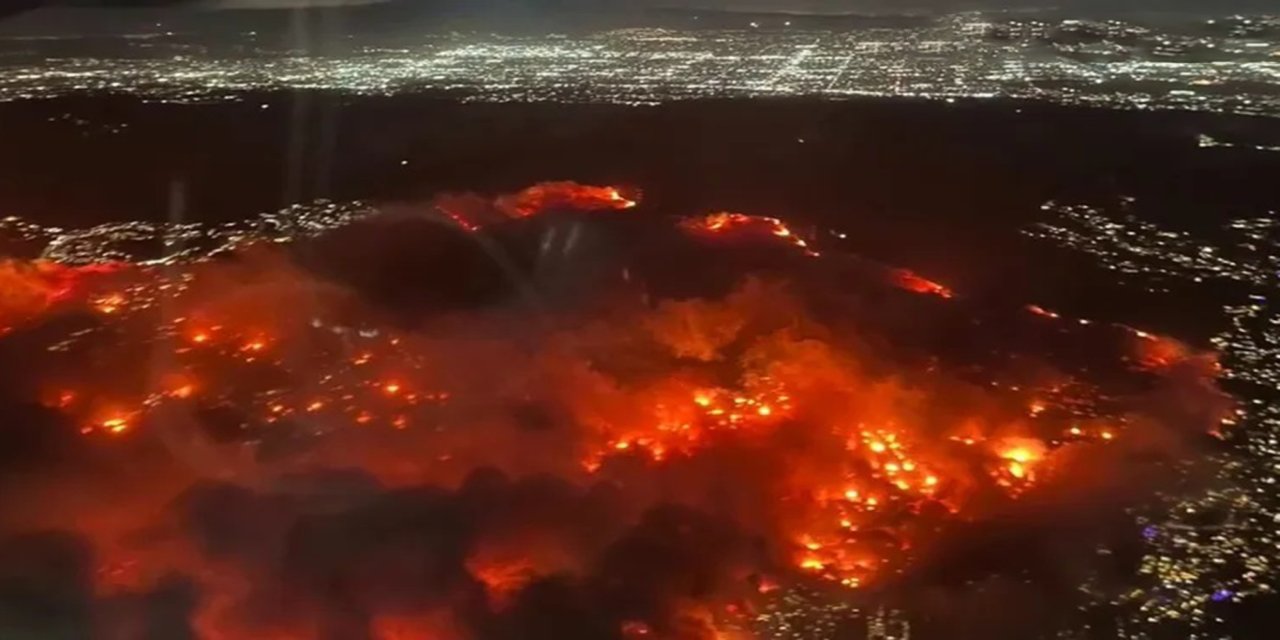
x,y
115,425
109,304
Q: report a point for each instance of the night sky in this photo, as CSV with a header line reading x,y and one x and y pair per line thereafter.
x,y
1215,6
87,17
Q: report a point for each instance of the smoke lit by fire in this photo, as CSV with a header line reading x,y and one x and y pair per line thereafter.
x,y
912,282
647,464
563,195
738,224
28,289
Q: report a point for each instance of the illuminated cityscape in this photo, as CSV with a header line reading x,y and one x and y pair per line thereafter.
x,y
1229,66
148,243
1218,544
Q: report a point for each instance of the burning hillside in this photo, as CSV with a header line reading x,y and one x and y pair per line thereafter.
x,y
267,447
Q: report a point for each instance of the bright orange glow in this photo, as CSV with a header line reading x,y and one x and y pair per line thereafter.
x,y
1021,455
1159,352
615,196
844,453
115,425
109,304
549,196
1018,455
738,224
912,282
30,288
502,577
812,564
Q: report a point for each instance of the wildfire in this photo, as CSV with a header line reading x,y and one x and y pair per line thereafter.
x,y
113,424
911,281
563,195
745,225
255,345
502,577
109,303
30,288
843,456
1158,352
1020,456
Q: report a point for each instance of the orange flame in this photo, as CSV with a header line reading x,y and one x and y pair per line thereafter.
x,y
549,196
911,281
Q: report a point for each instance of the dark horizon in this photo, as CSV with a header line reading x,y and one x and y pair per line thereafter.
x,y
569,7
45,18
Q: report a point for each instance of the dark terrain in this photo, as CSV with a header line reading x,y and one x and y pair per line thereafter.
x,y
939,188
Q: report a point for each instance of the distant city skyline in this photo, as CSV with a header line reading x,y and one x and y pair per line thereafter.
x,y
1229,67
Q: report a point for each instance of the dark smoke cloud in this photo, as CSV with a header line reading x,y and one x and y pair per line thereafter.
x,y
334,552
344,552
47,592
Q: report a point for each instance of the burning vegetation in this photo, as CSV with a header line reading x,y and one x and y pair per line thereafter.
x,y
274,453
